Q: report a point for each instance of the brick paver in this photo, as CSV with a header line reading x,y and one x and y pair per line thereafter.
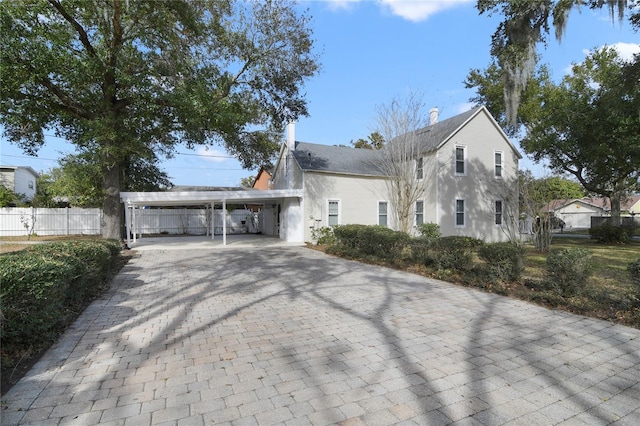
x,y
288,335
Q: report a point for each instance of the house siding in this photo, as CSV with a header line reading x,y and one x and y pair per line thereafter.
x,y
478,187
358,197
20,180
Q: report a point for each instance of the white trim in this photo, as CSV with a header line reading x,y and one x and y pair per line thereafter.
x,y
378,212
415,212
464,213
336,200
495,175
421,168
205,197
455,159
495,212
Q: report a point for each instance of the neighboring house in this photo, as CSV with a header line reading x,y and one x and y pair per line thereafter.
x,y
19,179
576,213
473,189
263,179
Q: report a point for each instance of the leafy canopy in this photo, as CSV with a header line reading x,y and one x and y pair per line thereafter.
x,y
131,79
589,125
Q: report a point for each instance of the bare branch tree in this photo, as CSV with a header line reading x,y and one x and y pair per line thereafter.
x,y
408,157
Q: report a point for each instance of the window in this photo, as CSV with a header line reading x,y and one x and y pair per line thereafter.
x,y
419,168
419,212
30,184
461,166
498,212
498,163
334,212
459,212
382,213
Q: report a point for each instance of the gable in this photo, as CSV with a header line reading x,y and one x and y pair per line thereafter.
x,y
312,157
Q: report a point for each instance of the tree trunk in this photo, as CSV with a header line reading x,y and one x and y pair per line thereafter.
x,y
111,206
615,209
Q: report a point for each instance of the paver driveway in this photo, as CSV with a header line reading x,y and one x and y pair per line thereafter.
x,y
286,335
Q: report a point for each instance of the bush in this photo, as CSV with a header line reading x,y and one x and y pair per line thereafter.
x,y
505,260
323,235
371,240
44,283
634,271
568,270
96,257
35,290
419,251
609,234
428,230
455,252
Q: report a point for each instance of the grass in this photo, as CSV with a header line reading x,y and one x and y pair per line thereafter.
x,y
608,294
17,243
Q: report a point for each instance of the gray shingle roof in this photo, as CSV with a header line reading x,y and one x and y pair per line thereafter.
x,y
337,159
342,159
434,135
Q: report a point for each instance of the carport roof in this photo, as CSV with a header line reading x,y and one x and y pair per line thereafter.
x,y
182,198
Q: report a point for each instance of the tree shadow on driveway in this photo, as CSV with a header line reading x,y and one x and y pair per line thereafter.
x,y
281,334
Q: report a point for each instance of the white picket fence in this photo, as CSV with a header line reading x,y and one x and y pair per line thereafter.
x,y
15,221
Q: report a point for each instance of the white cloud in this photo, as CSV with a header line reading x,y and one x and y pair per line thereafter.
x,y
626,50
419,10
212,155
342,4
411,10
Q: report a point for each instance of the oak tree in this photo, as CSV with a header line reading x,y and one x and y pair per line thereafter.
x,y
131,79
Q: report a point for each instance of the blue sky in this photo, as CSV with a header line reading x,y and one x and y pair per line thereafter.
x,y
373,51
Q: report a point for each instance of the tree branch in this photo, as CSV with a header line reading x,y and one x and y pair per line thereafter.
x,y
82,34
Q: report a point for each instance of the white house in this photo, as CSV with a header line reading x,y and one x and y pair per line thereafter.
x,y
19,179
576,213
472,187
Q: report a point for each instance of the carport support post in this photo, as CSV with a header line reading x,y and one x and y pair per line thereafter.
x,y
224,222
127,222
213,220
133,220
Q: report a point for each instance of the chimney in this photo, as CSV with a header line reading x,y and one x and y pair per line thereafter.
x,y
433,115
291,135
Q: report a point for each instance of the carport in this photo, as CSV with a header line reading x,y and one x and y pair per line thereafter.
x,y
289,202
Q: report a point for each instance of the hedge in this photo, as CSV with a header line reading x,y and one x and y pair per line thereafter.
x,y
505,260
371,240
41,284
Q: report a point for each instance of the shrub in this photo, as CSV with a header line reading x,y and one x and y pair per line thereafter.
x,y
35,288
505,260
43,284
419,251
323,235
94,255
634,271
568,270
454,252
371,240
428,230
609,234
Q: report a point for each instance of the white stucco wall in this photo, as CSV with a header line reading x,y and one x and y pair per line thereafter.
x,y
478,187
